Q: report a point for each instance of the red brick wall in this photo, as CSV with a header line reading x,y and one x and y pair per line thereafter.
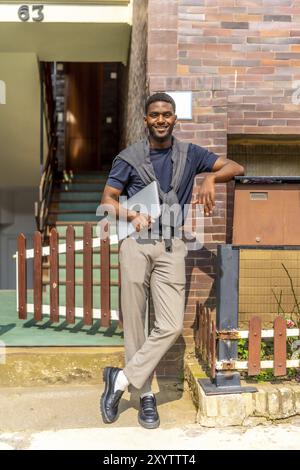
x,y
241,61
251,50
134,83
200,275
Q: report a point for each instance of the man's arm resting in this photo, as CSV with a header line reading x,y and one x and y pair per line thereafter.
x,y
223,170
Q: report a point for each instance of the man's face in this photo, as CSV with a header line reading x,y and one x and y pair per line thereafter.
x,y
160,120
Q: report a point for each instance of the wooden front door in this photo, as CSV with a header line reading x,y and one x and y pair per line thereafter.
x,y
83,116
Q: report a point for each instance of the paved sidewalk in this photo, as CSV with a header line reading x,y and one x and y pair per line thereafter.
x,y
67,417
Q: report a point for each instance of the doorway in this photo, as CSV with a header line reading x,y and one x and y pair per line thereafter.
x,y
92,115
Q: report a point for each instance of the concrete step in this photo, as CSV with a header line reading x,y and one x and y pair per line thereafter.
x,y
73,423
57,365
61,228
90,175
79,266
80,282
74,206
53,218
66,415
96,273
79,258
96,298
78,227
80,185
74,196
114,275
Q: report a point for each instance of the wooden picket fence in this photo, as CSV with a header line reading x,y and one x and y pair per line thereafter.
x,y
52,252
207,336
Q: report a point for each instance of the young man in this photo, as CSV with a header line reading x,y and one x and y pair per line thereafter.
x,y
156,264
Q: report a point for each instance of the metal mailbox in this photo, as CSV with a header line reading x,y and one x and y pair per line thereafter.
x,y
266,211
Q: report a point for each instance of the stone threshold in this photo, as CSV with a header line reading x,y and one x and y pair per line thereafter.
x,y
272,401
33,366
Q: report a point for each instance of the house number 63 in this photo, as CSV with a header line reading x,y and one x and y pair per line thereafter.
x,y
37,12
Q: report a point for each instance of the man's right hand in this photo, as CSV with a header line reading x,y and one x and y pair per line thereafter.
x,y
140,221
111,198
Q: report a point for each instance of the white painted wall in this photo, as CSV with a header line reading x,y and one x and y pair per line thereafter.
x,y
16,216
20,121
70,13
68,42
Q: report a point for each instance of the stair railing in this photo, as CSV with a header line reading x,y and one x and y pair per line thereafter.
x,y
50,166
45,187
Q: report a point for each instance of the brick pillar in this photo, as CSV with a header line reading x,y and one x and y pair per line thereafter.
x,y
208,47
201,276
208,128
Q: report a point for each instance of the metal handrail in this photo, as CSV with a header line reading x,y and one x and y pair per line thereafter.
x,y
50,166
45,187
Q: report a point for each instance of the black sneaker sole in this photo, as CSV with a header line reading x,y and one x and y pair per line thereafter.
x,y
105,418
149,425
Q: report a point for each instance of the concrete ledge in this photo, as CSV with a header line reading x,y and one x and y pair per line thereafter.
x,y
57,365
83,365
34,366
271,402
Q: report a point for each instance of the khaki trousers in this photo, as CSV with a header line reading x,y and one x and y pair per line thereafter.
x,y
146,264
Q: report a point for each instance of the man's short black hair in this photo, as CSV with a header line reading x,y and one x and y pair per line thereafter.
x,y
160,97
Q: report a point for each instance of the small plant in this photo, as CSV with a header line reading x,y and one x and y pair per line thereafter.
x,y
267,346
293,317
292,321
265,375
266,351
243,349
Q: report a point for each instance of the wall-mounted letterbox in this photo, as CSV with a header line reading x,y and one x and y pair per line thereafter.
x,y
266,211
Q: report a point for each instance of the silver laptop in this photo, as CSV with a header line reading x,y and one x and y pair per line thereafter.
x,y
145,201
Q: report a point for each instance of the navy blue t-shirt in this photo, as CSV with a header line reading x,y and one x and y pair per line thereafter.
x,y
199,160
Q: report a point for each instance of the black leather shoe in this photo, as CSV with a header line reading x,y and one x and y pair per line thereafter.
x,y
148,416
110,400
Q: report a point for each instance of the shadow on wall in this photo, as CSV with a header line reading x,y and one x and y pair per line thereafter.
x,y
210,301
212,260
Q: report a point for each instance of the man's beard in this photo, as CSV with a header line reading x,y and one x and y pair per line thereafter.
x,y
159,138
